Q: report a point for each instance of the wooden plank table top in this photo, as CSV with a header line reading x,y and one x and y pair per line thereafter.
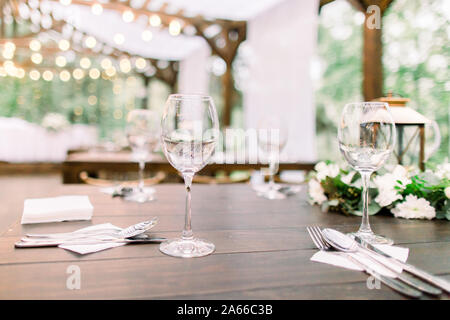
x,y
262,249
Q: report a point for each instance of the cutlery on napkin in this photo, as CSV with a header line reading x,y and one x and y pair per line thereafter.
x,y
94,238
57,209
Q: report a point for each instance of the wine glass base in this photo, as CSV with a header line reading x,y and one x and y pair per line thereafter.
x,y
187,248
371,238
269,192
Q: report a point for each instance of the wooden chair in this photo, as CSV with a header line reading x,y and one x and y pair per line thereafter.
x,y
84,176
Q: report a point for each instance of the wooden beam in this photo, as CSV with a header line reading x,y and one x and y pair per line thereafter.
x,y
372,63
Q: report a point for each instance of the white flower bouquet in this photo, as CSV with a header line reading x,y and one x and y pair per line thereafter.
x,y
54,122
403,192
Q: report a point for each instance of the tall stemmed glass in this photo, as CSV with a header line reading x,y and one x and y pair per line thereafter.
x,y
366,139
189,133
272,137
142,131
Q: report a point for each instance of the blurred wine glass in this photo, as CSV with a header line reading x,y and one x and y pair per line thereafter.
x,y
366,135
189,133
142,131
272,138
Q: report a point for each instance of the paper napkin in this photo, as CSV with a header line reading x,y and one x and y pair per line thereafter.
x,y
57,209
341,259
91,248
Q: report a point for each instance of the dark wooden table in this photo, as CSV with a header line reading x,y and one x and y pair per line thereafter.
x,y
94,161
262,249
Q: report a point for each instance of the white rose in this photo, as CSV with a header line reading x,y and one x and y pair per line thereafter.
x,y
324,170
443,170
447,192
414,208
386,196
347,179
316,192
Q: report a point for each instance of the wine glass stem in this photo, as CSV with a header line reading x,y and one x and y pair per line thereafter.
x,y
272,171
365,226
187,231
141,176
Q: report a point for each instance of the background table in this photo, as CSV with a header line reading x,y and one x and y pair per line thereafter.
x,y
94,161
262,248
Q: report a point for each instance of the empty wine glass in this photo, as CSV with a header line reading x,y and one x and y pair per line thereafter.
x,y
366,137
143,128
272,137
189,133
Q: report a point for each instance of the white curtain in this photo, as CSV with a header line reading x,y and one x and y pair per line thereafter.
x,y
193,75
280,45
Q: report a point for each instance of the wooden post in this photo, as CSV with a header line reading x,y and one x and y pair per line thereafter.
x,y
372,63
422,147
228,90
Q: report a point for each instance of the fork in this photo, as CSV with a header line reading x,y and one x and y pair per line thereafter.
x,y
319,241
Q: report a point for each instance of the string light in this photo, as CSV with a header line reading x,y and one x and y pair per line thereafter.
x,y
125,65
64,75
110,71
85,63
140,63
147,35
20,73
97,9
118,114
47,75
174,28
36,58
92,100
90,42
34,75
128,16
65,2
60,61
106,63
155,20
119,38
64,45
94,73
35,45
9,46
78,74
7,54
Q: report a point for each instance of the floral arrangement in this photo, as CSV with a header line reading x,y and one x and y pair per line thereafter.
x,y
404,192
54,122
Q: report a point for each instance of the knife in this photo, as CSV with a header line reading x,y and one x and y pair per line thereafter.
x,y
439,282
46,243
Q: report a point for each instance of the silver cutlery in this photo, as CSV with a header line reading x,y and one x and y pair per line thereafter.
x,y
128,232
322,243
49,243
347,244
439,282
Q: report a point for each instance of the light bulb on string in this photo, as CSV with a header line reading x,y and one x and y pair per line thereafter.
x,y
97,9
47,75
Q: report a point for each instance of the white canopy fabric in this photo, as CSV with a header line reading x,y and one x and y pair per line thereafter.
x,y
281,44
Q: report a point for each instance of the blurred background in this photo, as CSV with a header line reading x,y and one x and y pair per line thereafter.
x,y
64,67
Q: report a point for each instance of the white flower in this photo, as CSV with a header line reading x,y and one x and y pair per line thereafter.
x,y
347,179
443,171
414,208
387,193
386,196
326,170
447,192
54,121
316,192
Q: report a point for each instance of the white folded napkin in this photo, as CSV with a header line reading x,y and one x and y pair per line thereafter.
x,y
57,209
90,248
340,259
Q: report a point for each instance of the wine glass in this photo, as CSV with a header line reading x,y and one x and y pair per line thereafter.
x,y
272,137
189,133
366,137
143,136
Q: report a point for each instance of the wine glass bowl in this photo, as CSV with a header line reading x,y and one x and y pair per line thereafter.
x,y
189,133
142,132
366,136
